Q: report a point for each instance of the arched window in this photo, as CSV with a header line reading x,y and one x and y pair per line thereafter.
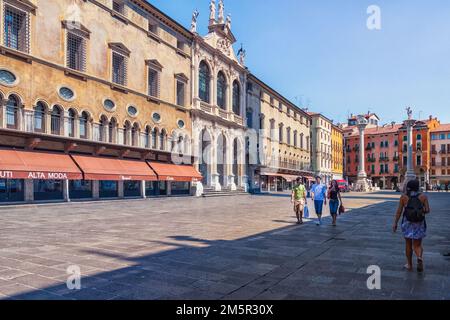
x,y
154,138
39,117
221,90
71,123
135,135
162,140
127,133
302,141
84,118
236,98
112,130
103,128
204,82
180,143
55,123
147,137
419,137
186,144
12,110
288,136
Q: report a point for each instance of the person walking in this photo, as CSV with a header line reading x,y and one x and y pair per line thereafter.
x,y
334,195
414,206
318,195
298,198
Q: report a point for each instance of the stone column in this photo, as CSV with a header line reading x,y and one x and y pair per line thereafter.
x,y
361,183
29,190
66,190
120,189
143,195
410,175
95,189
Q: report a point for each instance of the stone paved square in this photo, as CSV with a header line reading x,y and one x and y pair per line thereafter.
x,y
243,247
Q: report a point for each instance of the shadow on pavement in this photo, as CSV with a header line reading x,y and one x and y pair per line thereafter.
x,y
257,266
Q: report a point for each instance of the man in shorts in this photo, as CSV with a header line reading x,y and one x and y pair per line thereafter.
x,y
318,195
298,198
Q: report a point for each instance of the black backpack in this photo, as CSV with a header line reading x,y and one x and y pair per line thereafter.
x,y
414,211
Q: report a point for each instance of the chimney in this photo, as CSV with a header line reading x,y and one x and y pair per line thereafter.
x,y
431,117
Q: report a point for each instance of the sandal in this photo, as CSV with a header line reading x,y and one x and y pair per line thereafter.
x,y
407,267
419,265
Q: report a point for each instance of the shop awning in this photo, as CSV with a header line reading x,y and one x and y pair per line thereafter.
x,y
98,168
18,164
172,172
289,178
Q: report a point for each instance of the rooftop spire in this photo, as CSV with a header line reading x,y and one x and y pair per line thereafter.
x,y
212,12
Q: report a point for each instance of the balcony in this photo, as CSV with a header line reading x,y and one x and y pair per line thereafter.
x,y
443,151
369,147
396,158
370,159
433,152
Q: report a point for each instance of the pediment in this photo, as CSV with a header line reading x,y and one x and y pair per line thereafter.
x,y
120,47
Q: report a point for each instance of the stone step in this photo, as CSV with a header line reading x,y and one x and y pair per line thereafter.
x,y
224,194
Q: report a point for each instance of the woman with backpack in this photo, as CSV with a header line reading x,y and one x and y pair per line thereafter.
x,y
413,206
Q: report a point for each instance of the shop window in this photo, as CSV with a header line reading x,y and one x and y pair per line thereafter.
x,y
80,189
108,189
11,190
131,188
48,190
180,188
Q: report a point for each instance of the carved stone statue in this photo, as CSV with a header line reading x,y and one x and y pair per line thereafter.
x,y
195,15
228,22
212,11
221,12
241,54
409,112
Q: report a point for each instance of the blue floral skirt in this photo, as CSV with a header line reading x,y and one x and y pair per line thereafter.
x,y
414,230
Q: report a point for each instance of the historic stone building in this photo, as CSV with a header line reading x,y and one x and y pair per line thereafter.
x,y
321,150
218,104
103,84
279,139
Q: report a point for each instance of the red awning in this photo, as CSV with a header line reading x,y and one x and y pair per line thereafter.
x,y
289,178
172,172
97,168
18,164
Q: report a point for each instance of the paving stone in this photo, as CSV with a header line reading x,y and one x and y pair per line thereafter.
x,y
188,248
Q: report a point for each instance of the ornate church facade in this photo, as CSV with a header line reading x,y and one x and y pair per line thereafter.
x,y
219,104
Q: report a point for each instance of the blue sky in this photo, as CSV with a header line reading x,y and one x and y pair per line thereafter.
x,y
322,51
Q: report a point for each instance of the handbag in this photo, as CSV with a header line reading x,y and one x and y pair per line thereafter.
x,y
341,209
306,212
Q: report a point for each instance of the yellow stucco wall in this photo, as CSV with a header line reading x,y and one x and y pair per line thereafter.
x,y
40,79
337,147
285,116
